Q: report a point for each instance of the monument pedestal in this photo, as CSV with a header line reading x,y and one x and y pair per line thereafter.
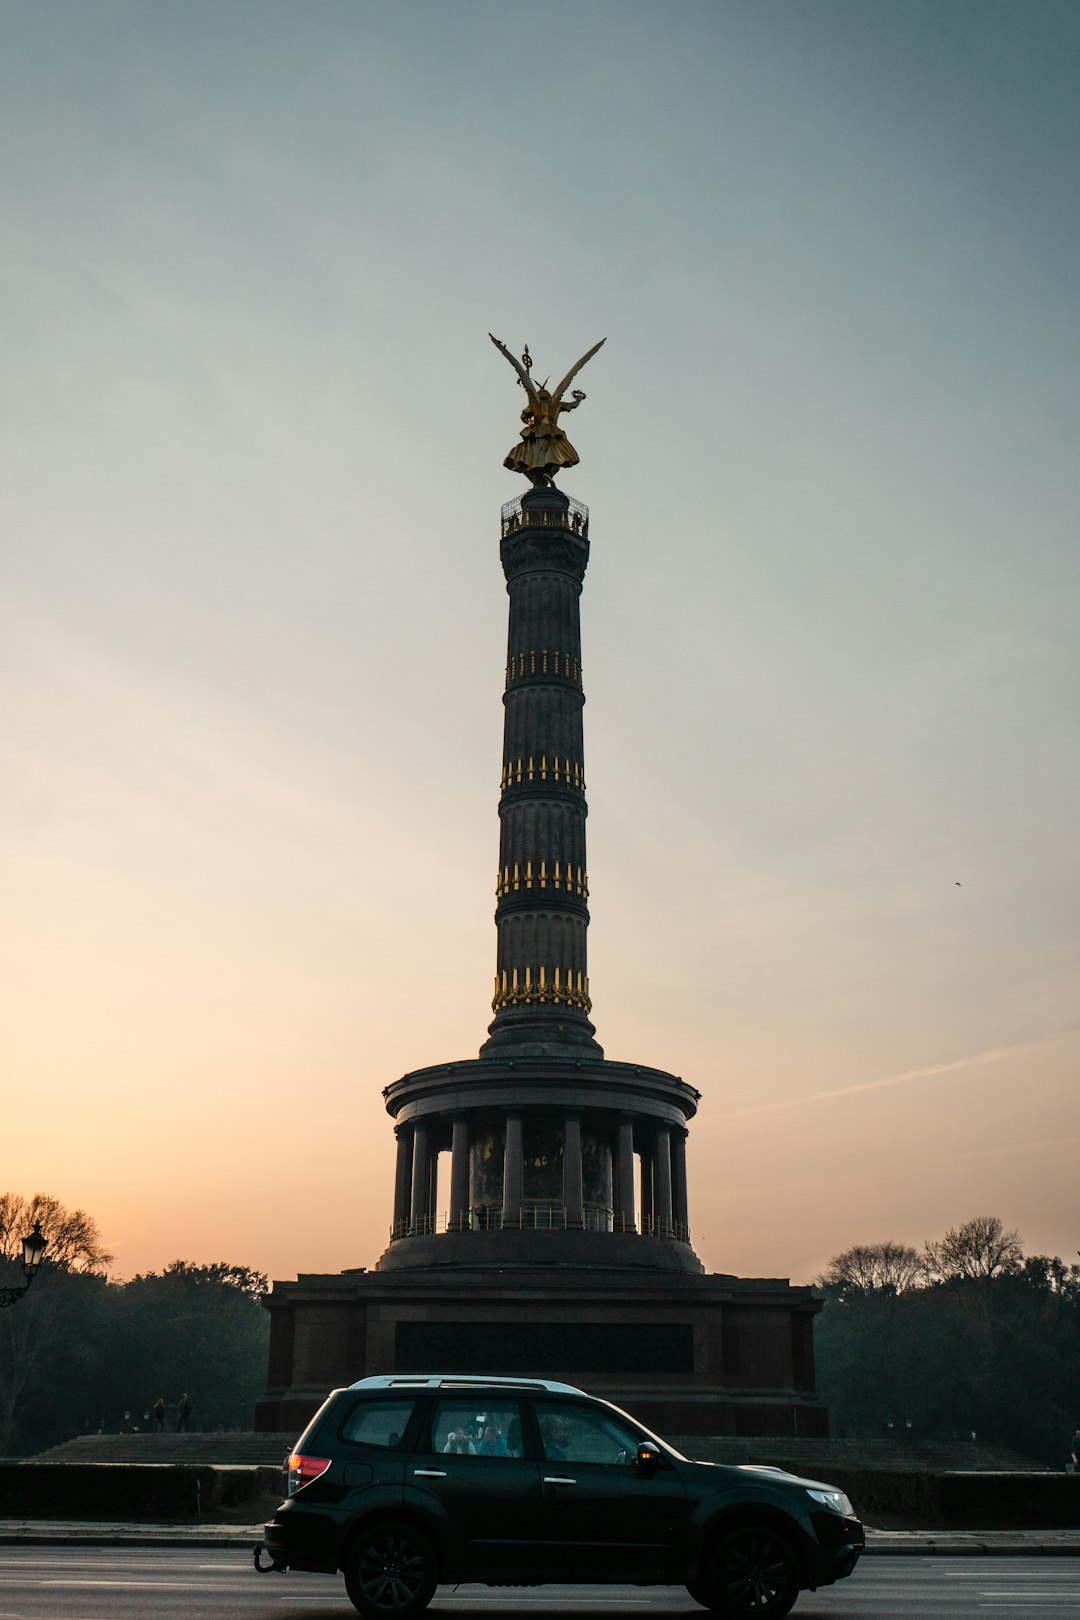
x,y
686,1354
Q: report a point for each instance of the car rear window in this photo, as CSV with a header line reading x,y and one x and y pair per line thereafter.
x,y
378,1423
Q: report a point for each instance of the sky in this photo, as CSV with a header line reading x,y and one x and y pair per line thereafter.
x,y
252,618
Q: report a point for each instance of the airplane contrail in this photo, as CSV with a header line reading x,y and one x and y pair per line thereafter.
x,y
989,1056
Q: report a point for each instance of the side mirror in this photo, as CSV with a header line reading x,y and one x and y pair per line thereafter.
x,y
648,1455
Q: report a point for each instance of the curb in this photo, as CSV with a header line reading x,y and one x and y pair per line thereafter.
x,y
972,1544
55,1532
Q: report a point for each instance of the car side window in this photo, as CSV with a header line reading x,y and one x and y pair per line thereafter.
x,y
378,1423
477,1428
578,1434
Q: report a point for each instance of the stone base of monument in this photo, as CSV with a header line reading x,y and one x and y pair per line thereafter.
x,y
686,1354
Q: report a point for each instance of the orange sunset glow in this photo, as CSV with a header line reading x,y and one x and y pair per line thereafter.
x,y
253,619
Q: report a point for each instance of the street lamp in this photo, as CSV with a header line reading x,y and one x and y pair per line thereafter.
x,y
34,1245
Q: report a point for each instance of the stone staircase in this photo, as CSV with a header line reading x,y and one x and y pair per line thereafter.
x,y
226,1450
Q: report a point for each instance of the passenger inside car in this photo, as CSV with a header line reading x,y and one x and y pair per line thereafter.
x,y
457,1429
578,1435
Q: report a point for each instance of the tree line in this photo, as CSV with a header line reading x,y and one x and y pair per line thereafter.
x,y
79,1352
966,1336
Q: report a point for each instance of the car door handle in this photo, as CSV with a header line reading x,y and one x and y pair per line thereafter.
x,y
429,1473
558,1479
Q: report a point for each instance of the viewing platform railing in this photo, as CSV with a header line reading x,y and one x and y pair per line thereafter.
x,y
537,1216
515,516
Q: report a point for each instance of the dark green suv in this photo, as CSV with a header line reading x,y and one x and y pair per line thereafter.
x,y
405,1482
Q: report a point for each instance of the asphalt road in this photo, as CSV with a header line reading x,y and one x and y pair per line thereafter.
x,y
121,1583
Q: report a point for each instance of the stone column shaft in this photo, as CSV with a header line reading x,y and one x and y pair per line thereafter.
x,y
572,1171
662,1191
625,1220
542,914
402,1180
421,1178
648,1203
512,1171
459,1177
679,1199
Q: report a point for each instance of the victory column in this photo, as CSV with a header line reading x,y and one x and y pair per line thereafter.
x,y
561,1246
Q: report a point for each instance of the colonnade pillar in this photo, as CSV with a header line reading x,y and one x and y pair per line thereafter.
x,y
512,1171
572,1170
679,1201
625,1220
421,1178
459,1177
648,1204
662,1185
402,1180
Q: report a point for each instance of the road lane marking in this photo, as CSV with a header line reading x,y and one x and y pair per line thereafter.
x,y
101,1563
1025,1575
180,1586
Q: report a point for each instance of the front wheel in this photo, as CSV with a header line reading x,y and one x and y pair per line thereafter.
x,y
391,1573
752,1572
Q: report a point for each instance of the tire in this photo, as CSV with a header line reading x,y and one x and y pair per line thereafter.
x,y
753,1572
391,1572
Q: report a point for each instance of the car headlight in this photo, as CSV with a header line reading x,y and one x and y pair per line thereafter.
x,y
835,1500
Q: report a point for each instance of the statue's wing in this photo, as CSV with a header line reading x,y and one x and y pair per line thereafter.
x,y
526,380
572,373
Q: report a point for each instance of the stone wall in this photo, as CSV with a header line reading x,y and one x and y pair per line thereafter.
x,y
132,1492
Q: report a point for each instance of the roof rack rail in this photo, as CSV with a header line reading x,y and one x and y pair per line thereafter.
x,y
462,1381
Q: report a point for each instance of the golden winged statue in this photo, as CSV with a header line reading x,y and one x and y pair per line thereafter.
x,y
544,449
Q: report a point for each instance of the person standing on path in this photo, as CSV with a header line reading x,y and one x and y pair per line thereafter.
x,y
183,1414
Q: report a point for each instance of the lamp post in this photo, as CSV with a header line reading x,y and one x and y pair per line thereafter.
x,y
34,1246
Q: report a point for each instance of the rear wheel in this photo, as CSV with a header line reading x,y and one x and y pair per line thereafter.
x,y
391,1573
752,1572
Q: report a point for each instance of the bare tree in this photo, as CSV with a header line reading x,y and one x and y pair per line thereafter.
x,y
980,1248
872,1268
73,1238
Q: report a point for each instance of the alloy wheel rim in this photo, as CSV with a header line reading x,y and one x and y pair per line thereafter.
x,y
391,1573
755,1573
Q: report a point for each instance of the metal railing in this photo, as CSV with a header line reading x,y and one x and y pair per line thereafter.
x,y
652,1227
514,516
537,1215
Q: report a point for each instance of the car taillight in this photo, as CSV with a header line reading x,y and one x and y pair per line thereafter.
x,y
302,1470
